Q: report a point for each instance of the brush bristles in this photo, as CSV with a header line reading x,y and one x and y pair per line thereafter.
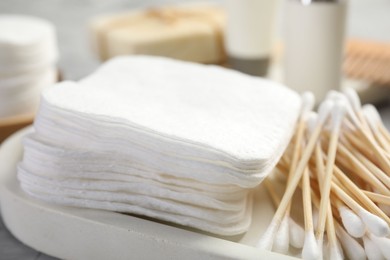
x,y
368,61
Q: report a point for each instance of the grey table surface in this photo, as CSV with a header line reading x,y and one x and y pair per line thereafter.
x,y
367,18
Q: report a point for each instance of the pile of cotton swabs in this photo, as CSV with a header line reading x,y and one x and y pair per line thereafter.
x,y
340,159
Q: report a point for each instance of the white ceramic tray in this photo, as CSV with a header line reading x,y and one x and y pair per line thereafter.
x,y
74,233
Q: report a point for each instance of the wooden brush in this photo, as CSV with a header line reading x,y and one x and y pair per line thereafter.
x,y
368,60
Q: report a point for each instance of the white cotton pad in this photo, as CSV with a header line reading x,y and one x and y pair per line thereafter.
x,y
25,43
245,119
172,140
23,97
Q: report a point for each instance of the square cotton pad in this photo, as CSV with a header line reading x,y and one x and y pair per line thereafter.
x,y
172,140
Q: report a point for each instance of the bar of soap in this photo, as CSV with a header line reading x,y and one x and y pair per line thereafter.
x,y
190,33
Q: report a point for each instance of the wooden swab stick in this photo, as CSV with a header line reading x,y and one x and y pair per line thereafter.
x,y
348,160
355,141
382,158
374,115
310,247
370,114
306,198
378,198
356,105
265,243
377,172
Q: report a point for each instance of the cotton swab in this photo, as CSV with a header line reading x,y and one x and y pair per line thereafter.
x,y
282,238
308,101
372,250
351,247
364,129
337,96
354,100
333,246
297,234
310,248
267,239
337,116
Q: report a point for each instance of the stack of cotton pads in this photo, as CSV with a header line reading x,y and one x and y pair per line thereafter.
x,y
172,140
28,53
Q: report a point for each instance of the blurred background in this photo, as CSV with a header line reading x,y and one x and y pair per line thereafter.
x,y
366,19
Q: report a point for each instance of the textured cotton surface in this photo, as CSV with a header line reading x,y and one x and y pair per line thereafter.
x,y
177,141
207,105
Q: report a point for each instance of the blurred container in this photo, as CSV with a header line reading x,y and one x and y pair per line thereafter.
x,y
314,43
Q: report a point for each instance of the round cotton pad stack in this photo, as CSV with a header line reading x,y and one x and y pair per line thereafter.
x,y
28,53
172,140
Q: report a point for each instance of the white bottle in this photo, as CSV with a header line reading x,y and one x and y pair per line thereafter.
x,y
314,43
249,34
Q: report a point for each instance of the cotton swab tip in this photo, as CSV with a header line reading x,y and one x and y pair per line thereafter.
x,y
308,101
310,249
371,114
297,234
374,223
266,241
311,121
282,238
324,111
352,222
353,98
338,113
